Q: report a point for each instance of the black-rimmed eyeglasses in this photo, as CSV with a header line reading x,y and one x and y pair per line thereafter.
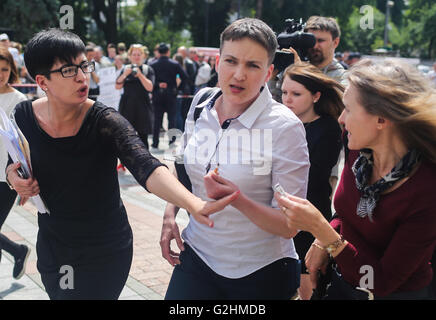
x,y
70,70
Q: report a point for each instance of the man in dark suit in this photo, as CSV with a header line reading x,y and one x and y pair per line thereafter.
x,y
165,90
189,88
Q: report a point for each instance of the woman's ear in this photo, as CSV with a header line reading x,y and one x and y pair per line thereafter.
x,y
316,96
382,123
270,72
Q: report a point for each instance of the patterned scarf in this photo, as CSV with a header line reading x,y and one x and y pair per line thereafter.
x,y
370,194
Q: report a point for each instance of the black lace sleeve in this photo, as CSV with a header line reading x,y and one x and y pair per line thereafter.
x,y
119,134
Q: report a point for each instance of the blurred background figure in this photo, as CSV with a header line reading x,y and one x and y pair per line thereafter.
x,y
9,97
203,74
353,58
94,89
137,80
111,52
213,74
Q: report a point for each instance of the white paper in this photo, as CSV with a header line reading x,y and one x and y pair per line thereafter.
x,y
19,151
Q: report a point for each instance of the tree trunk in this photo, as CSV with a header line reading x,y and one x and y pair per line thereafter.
x,y
109,27
259,8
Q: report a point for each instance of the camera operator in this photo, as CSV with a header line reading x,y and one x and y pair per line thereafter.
x,y
322,55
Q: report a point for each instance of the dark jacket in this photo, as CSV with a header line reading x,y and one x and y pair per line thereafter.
x,y
166,70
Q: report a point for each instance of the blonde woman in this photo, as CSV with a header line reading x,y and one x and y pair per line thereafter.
x,y
384,235
137,81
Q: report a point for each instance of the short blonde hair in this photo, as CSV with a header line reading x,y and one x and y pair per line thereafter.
x,y
399,93
136,46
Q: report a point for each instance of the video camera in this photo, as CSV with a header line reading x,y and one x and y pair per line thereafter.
x,y
295,37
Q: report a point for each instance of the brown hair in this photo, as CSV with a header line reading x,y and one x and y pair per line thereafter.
x,y
399,93
253,29
330,101
7,56
324,24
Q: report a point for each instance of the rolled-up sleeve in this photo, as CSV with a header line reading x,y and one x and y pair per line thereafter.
x,y
290,166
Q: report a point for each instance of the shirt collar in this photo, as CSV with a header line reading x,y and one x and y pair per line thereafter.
x,y
249,116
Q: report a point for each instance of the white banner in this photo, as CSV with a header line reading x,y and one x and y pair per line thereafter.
x,y
109,96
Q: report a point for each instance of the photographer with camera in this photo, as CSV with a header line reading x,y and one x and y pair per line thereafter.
x,y
137,80
327,33
314,41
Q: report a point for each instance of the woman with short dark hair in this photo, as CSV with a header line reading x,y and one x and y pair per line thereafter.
x,y
74,144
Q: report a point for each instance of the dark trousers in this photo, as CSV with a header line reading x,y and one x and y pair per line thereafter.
x,y
192,279
97,280
186,105
7,198
163,102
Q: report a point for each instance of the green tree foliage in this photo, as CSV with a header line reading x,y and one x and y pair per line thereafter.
x,y
25,18
204,20
196,22
421,27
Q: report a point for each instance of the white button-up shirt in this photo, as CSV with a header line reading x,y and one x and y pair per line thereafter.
x,y
265,145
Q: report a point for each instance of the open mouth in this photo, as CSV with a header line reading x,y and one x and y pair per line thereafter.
x,y
83,89
235,88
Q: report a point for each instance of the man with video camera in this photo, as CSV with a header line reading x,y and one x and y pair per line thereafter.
x,y
322,55
314,41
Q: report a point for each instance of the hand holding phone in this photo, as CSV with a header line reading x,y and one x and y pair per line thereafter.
x,y
278,188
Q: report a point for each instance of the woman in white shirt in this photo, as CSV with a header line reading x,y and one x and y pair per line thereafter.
x,y
9,97
246,252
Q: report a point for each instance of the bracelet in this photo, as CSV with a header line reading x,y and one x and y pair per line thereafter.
x,y
7,180
318,246
332,247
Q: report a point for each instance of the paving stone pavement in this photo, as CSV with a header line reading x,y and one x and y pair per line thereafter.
x,y
149,274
